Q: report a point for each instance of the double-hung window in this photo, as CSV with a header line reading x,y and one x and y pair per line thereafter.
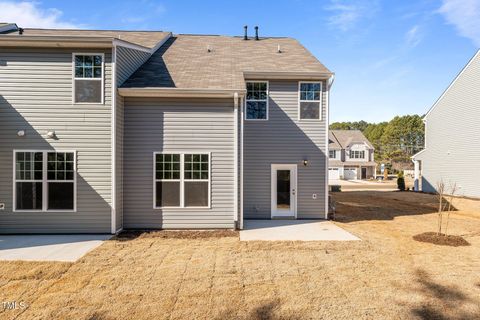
x,y
44,181
356,154
310,100
182,180
332,154
88,78
256,102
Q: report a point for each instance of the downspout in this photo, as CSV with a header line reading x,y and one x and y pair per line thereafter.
x,y
241,162
114,141
235,159
327,122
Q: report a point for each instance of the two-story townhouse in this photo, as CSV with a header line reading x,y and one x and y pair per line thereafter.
x,y
351,156
105,130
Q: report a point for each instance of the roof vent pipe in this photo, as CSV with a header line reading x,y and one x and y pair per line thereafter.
x,y
245,37
20,31
256,32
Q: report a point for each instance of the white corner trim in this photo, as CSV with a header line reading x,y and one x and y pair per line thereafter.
x,y
451,84
327,124
235,156
114,141
241,163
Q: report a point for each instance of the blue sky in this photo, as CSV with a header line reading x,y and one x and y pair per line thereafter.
x,y
390,57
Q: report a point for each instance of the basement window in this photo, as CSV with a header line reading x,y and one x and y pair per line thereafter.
x,y
182,180
88,78
44,181
309,102
256,102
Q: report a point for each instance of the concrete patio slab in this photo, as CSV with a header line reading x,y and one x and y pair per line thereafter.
x,y
66,248
294,230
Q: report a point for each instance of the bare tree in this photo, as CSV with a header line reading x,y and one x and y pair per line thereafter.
x,y
440,192
453,191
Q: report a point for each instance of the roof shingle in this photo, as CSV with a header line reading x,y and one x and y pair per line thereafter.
x,y
218,62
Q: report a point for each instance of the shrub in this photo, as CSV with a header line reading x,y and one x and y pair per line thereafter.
x,y
401,182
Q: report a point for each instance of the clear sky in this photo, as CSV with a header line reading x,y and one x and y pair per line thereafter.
x,y
390,57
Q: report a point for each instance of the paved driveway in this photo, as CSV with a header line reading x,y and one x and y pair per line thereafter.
x,y
67,248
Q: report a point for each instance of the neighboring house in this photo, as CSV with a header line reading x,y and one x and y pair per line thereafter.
x,y
351,156
105,130
452,137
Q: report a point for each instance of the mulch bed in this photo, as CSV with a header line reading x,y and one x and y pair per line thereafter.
x,y
441,239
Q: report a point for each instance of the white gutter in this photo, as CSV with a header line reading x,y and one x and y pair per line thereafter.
x,y
235,157
275,75
180,92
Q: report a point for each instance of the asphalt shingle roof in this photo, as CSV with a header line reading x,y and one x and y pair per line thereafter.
x,y
218,62
347,137
148,39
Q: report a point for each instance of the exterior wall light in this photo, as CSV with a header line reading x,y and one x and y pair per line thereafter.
x,y
21,133
305,162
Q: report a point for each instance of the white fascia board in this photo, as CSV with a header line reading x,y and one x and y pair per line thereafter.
x,y
180,92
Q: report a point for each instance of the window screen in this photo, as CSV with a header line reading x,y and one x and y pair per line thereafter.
x,y
88,79
310,100
60,180
167,180
28,180
256,101
196,180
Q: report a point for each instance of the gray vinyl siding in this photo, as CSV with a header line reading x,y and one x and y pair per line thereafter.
x,y
452,136
178,125
36,96
127,61
283,139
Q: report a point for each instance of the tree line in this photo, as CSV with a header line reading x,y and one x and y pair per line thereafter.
x,y
395,141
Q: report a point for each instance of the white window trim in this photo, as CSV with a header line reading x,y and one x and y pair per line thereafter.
x,y
267,100
334,154
319,101
92,79
182,180
45,181
356,158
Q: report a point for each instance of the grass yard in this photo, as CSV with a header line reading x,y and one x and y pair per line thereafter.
x,y
187,275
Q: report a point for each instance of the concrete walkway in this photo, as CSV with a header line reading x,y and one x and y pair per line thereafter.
x,y
68,248
293,230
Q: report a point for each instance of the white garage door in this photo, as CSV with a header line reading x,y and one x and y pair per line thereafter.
x,y
333,174
350,173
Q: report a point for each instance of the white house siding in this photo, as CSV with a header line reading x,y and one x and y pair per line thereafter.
x,y
453,136
36,96
283,139
178,125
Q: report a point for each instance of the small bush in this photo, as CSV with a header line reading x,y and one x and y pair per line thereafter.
x,y
401,182
336,188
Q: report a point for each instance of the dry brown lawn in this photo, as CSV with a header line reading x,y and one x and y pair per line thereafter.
x,y
163,275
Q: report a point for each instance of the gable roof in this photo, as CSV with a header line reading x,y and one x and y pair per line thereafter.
x,y
347,137
146,39
333,142
475,56
223,62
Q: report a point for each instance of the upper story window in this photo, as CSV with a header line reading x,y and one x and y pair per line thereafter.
x,y
256,103
332,154
310,97
88,78
355,154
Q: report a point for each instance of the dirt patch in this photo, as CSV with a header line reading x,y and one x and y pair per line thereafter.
x,y
176,234
441,239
